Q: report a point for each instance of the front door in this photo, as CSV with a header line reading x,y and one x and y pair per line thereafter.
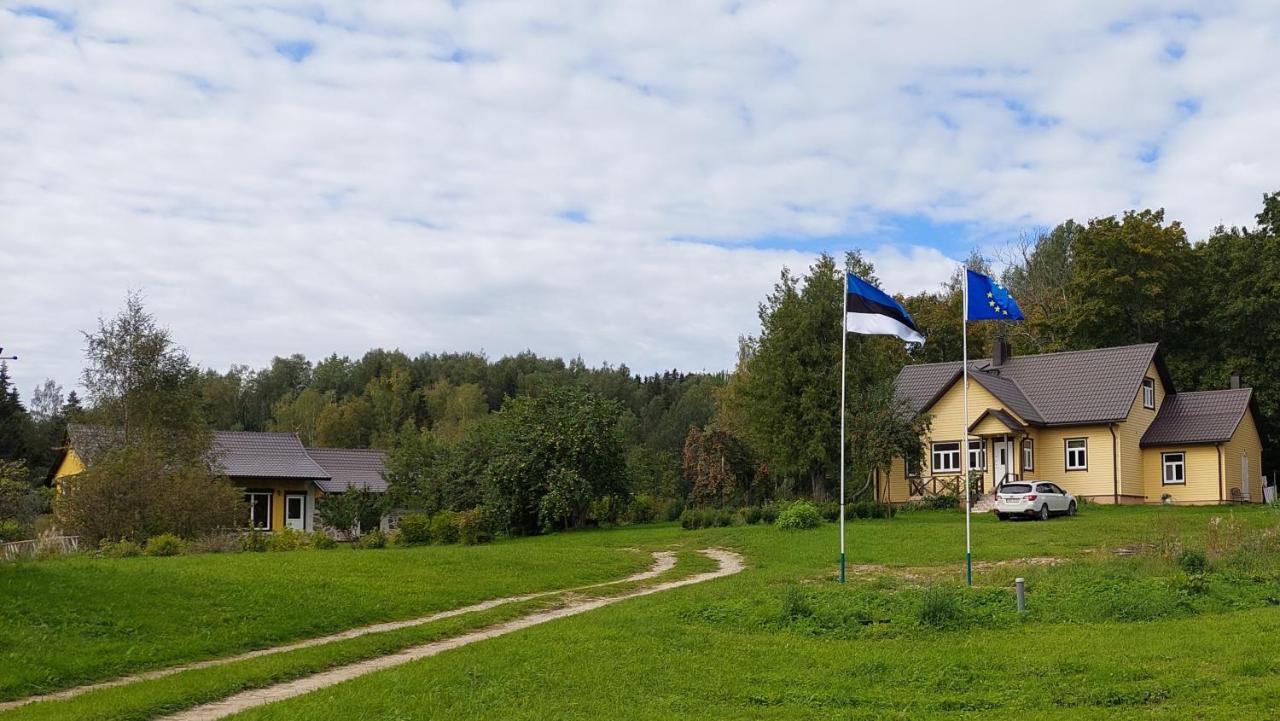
x,y
1003,462
295,511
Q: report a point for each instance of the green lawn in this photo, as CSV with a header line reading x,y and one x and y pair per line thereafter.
x,y
780,640
75,620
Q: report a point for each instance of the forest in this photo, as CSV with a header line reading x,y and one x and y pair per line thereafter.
x,y
558,442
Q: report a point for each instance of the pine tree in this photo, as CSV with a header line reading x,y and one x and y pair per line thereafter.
x,y
14,421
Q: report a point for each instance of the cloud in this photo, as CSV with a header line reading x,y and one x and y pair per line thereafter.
x,y
617,181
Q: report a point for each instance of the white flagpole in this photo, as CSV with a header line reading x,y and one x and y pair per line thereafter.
x,y
844,343
964,450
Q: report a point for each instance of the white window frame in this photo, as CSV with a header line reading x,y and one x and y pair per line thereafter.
x,y
1028,454
951,452
978,447
1082,449
253,522
1149,393
1167,462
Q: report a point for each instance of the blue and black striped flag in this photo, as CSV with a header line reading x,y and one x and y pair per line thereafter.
x,y
871,311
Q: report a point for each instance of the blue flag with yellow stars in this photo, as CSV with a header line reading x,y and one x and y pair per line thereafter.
x,y
988,300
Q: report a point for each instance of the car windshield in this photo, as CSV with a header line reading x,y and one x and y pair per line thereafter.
x,y
1016,488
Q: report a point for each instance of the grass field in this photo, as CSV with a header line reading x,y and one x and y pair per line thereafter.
x,y
1106,636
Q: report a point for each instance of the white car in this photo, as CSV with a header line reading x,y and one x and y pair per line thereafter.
x,y
1033,499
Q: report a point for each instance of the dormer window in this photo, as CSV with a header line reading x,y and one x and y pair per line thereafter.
x,y
1149,393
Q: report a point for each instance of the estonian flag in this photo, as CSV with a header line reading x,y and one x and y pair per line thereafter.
x,y
872,312
988,300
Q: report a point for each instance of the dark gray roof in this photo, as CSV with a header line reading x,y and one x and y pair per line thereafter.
x,y
1068,388
1201,417
246,454
348,468
88,441
1009,421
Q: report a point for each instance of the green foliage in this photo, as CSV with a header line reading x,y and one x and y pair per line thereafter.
x,y
254,541
287,539
798,516
371,539
165,544
415,528
323,541
354,508
20,500
795,603
936,502
444,527
123,548
939,607
474,526
869,509
704,517
1192,560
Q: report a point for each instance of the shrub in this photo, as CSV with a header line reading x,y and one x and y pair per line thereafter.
x,y
474,526
752,515
642,509
830,511
672,510
799,516
394,538
165,544
691,518
1193,561
10,530
722,517
371,539
415,528
323,541
253,541
444,527
124,548
940,607
769,513
288,539
869,509
606,510
215,543
936,502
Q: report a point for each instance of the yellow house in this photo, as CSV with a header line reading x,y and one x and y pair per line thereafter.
x,y
1104,424
281,478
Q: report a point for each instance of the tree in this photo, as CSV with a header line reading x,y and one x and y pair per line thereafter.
x,y
1037,274
417,471
568,444
301,414
717,467
155,473
454,410
20,500
351,512
14,420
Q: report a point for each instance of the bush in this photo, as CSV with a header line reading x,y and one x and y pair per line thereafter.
x,y
124,548
165,544
692,518
323,541
372,539
799,516
444,527
795,603
254,541
288,539
672,510
751,515
641,509
606,510
474,526
215,543
936,502
415,528
940,607
769,513
723,517
829,510
10,530
869,509
1193,561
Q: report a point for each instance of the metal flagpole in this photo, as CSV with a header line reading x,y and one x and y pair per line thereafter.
x,y
844,344
964,450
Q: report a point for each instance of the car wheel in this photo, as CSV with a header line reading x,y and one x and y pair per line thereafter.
x,y
1002,517
1044,512
1071,509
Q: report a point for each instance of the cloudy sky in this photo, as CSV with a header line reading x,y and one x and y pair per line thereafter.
x,y
619,180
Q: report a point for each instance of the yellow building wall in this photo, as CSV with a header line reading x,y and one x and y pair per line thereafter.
x,y
278,488
947,423
1132,461
990,426
1246,443
1051,461
1201,472
70,466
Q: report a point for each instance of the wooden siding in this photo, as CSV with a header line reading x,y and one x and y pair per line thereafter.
x,y
1132,461
1201,472
1245,443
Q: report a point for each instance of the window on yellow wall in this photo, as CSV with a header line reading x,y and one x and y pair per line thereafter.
x,y
1028,455
946,457
1077,454
1148,393
1175,468
977,456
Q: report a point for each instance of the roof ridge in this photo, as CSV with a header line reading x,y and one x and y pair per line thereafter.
x,y
1246,389
1075,351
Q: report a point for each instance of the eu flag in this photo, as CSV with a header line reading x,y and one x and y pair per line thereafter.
x,y
988,300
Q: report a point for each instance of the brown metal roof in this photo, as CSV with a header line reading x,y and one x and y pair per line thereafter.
x,y
248,454
1009,421
1068,388
1201,417
350,468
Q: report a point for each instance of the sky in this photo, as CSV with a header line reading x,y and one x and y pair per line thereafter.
x,y
617,181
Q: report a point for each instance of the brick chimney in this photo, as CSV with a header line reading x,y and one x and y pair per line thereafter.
x,y
1000,351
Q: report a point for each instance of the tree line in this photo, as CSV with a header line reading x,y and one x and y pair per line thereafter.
x,y
541,443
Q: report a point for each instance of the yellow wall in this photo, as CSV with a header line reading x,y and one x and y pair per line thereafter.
x,y
70,466
278,488
1245,442
990,426
947,416
1051,460
1132,465
1201,472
